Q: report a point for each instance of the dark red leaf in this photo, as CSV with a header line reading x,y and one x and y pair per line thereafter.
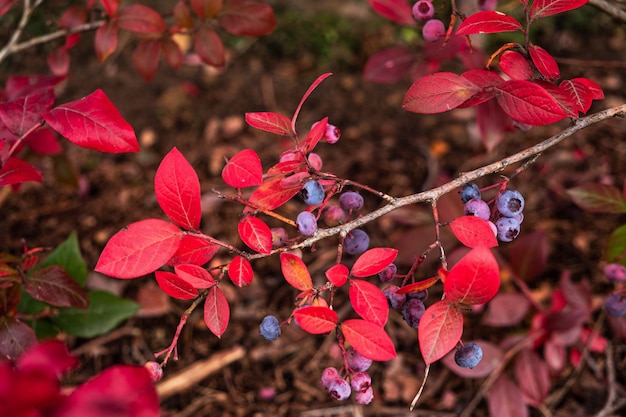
x,y
146,58
111,7
141,19
438,92
505,399
193,250
240,271
369,339
209,47
5,6
372,261
475,279
528,255
206,9
578,93
22,85
488,22
194,275
544,8
255,233
270,122
493,123
316,320
369,302
532,377
492,357
295,272
73,16
21,114
337,274
139,249
545,64
59,61
106,40
273,193
16,171
247,18
93,122
15,338
172,54
528,103
439,330
506,309
177,190
598,198
182,15
398,11
216,312
243,170
389,65
175,286
516,66
50,356
53,285
485,80
473,231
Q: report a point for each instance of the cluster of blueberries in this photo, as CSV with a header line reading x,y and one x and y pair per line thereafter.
x,y
360,381
434,29
615,304
509,216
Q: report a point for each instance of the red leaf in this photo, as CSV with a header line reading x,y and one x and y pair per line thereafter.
x,y
493,123
139,249
59,61
578,93
306,95
565,100
545,64
110,7
594,88
505,399
273,193
439,330
177,190
255,233
240,271
172,54
438,92
16,171
337,274
194,275
270,122
216,312
206,9
22,113
93,122
598,198
369,339
316,320
50,356
528,255
475,279
5,6
193,250
106,40
15,338
247,18
43,141
314,136
544,8
528,103
141,19
209,47
175,286
182,15
146,58
506,310
473,231
398,11
295,272
485,80
53,285
488,22
372,261
389,65
516,66
369,302
418,286
23,85
243,170
532,376
492,357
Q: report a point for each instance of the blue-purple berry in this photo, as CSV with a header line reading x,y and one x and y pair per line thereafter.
x,y
469,192
510,203
364,397
423,10
351,200
356,361
306,223
477,207
360,381
356,242
270,328
388,274
615,305
339,389
615,272
468,355
396,301
487,5
312,193
413,311
508,228
328,376
433,30
418,295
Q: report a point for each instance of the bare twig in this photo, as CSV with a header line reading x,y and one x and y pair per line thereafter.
x,y
610,8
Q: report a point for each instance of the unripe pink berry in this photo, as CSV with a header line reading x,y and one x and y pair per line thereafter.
x,y
487,5
365,397
332,134
315,161
423,10
433,30
334,216
155,371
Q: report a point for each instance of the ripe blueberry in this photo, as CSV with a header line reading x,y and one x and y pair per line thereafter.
x,y
364,397
413,311
433,30
423,10
395,300
508,228
356,361
469,192
328,376
510,203
468,355
615,272
615,305
361,381
356,242
270,328
419,295
351,200
339,389
312,193
388,274
307,223
477,207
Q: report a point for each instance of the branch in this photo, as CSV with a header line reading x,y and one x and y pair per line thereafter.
x,y
610,8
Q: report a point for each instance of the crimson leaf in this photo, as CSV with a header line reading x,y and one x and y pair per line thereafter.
x,y
439,330
488,22
438,92
369,302
369,339
528,103
216,312
316,319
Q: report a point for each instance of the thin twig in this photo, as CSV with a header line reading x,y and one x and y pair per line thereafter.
x,y
610,8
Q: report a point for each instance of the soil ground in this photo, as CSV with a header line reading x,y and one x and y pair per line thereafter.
x,y
382,146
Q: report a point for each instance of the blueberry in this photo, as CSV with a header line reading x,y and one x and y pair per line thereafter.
x,y
423,10
356,361
395,300
334,216
468,355
615,272
356,242
413,311
339,389
419,295
615,305
487,5
477,207
433,30
469,192
388,274
328,376
510,203
360,381
312,193
307,223
270,328
508,228
364,397
351,200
